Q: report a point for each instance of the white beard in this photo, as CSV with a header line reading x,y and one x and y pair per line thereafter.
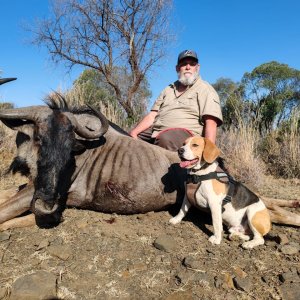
x,y
187,80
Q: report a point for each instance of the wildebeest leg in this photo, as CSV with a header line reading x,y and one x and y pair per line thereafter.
x,y
19,222
7,194
17,204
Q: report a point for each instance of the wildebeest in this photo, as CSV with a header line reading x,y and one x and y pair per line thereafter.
x,y
77,158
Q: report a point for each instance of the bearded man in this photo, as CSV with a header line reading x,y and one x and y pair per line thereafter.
x,y
186,107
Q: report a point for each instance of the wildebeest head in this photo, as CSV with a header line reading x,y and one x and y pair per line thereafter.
x,y
46,142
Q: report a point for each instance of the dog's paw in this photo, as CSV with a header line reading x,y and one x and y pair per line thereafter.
x,y
174,220
234,236
253,243
215,240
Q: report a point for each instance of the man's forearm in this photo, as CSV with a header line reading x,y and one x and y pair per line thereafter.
x,y
210,128
144,124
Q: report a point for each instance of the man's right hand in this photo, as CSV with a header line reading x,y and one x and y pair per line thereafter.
x,y
133,134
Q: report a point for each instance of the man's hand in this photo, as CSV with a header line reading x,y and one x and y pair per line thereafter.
x,y
146,122
133,134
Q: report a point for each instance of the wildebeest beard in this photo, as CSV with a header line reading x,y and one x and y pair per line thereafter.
x,y
55,166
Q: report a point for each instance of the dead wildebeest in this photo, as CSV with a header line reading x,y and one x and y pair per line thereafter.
x,y
75,157
79,159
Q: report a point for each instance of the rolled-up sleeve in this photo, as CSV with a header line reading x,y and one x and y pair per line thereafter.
x,y
159,101
212,107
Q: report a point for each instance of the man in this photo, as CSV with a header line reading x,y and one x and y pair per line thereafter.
x,y
188,106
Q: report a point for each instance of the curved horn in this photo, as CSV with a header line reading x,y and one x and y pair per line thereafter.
x,y
103,120
85,131
32,113
4,80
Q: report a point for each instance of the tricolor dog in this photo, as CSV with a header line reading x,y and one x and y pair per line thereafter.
x,y
209,187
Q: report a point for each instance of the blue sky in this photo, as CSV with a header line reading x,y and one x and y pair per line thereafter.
x,y
231,37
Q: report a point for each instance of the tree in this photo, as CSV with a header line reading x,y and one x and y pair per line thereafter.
x,y
274,91
91,88
104,34
234,108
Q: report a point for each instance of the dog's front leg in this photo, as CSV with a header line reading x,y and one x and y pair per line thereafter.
x,y
182,212
216,213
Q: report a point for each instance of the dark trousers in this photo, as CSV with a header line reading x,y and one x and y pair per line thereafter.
x,y
171,139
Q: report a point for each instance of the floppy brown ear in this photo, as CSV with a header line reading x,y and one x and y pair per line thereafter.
x,y
211,151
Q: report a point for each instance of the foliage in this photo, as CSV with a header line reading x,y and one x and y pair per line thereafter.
x,y
231,101
280,149
98,90
6,105
104,34
273,89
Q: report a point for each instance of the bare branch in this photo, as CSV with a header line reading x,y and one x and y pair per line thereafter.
x,y
105,34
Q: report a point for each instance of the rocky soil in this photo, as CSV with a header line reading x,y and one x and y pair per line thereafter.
x,y
92,255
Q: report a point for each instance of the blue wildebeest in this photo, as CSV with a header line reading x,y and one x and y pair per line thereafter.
x,y
75,157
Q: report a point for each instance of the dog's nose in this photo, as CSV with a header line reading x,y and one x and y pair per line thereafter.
x,y
180,151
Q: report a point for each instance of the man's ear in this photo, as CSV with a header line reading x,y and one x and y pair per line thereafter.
x,y
211,151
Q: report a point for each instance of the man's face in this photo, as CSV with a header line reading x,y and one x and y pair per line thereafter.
x,y
187,71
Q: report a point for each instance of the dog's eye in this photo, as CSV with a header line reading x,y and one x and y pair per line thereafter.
x,y
195,145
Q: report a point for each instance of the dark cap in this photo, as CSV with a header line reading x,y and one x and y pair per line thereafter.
x,y
187,53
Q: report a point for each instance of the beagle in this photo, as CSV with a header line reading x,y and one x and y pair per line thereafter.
x,y
228,200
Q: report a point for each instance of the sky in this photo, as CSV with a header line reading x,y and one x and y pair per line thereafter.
x,y
231,37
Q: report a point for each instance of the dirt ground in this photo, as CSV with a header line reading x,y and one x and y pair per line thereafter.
x,y
101,256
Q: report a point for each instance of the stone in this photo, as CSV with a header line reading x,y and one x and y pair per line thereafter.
x,y
165,243
228,282
283,239
238,272
183,277
289,276
289,249
43,244
36,286
242,284
191,262
225,281
61,252
4,236
290,291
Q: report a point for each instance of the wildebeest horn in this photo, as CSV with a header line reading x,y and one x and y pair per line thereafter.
x,y
102,118
32,113
85,131
4,80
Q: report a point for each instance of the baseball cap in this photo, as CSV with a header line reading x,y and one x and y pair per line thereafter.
x,y
187,53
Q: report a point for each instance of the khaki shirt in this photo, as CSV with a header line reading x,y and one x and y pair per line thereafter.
x,y
186,110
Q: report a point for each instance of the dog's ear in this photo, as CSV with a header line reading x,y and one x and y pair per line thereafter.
x,y
211,151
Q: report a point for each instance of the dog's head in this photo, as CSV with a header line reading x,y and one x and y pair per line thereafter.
x,y
197,150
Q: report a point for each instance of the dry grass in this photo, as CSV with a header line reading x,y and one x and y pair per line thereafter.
x,y
7,153
240,152
78,96
281,150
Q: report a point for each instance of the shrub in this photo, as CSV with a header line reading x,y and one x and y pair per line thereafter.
x,y
281,149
